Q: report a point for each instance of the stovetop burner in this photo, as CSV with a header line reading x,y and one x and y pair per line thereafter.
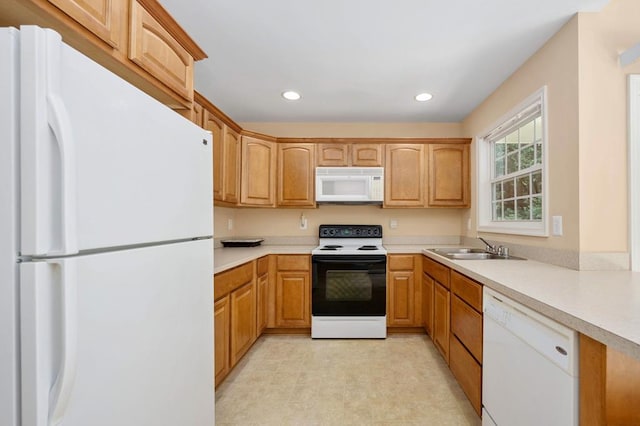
x,y
368,248
331,247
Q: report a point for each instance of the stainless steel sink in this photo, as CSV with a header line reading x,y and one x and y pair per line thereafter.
x,y
470,254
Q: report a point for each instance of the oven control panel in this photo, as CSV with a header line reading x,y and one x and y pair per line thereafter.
x,y
350,231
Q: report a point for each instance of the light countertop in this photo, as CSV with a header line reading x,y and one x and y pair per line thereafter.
x,y
604,305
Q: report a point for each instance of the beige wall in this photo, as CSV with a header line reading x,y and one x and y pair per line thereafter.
x,y
285,222
357,130
556,66
603,124
221,216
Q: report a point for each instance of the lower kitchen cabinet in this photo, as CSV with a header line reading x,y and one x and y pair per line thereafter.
x,y
428,285
243,321
262,294
402,291
441,301
293,291
221,338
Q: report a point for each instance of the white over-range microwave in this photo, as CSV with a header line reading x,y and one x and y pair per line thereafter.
x,y
350,185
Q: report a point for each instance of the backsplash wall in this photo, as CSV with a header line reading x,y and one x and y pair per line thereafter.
x,y
286,222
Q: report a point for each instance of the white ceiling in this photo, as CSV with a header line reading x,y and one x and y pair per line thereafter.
x,y
363,60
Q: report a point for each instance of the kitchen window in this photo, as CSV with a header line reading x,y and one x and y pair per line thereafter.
x,y
512,178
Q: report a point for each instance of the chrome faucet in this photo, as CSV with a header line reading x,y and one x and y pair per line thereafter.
x,y
498,250
489,248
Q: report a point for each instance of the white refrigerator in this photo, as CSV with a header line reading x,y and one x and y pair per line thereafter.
x,y
106,256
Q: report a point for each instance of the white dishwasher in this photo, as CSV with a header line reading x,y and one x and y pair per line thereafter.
x,y
529,368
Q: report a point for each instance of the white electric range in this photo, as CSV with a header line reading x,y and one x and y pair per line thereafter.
x,y
349,286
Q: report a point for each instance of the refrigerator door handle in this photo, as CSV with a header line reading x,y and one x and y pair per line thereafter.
x,y
60,124
61,390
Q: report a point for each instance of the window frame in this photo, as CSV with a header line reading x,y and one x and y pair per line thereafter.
x,y
484,176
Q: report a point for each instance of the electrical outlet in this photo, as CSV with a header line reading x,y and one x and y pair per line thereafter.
x,y
393,223
303,222
557,225
230,224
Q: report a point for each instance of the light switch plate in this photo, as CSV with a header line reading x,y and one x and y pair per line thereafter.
x,y
393,223
557,225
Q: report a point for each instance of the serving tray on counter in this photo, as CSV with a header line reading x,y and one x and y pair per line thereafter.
x,y
242,243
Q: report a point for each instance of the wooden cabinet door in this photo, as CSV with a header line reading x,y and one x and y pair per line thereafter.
x,y
216,127
333,154
427,303
104,18
155,50
366,155
441,319
296,175
262,299
221,338
293,299
401,298
231,166
448,169
404,175
243,321
258,181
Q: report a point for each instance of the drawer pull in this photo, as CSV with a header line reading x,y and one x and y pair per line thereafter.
x,y
561,350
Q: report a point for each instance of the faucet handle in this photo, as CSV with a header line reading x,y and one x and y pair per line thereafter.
x,y
503,251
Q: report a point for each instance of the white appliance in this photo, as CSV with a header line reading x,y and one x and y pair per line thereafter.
x,y
348,283
350,185
530,366
106,257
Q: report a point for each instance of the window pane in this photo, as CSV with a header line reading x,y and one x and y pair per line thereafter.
x,y
522,209
536,208
497,191
538,128
526,133
497,211
512,163
499,167
522,186
500,148
512,138
509,210
527,157
538,153
507,187
536,181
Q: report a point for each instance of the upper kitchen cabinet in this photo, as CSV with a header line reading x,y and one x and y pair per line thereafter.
x,y
448,175
349,154
258,178
296,175
104,18
404,175
231,166
153,48
136,39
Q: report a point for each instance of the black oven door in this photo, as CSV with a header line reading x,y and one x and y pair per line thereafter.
x,y
349,285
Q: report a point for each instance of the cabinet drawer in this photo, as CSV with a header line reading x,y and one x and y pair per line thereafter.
x,y
401,263
437,271
263,265
227,281
154,49
467,371
466,324
467,289
293,263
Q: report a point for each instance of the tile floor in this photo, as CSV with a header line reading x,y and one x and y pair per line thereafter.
x,y
294,380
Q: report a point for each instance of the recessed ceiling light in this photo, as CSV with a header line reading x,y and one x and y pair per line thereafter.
x,y
423,97
290,95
